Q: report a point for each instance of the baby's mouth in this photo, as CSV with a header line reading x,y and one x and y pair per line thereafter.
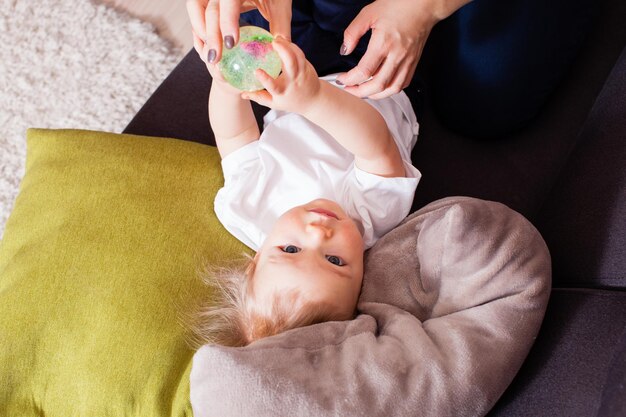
x,y
324,212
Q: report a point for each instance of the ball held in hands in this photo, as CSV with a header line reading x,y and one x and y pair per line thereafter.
x,y
253,51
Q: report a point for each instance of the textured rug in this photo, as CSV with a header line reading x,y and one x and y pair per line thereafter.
x,y
70,64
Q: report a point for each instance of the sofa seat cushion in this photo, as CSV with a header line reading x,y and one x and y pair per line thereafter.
x,y
571,363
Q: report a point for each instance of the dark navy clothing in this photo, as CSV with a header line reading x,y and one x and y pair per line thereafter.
x,y
497,62
317,28
494,63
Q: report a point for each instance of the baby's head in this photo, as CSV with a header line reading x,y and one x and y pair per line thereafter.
x,y
312,258
308,270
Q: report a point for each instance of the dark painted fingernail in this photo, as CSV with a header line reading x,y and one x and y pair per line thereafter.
x,y
338,82
211,55
229,42
343,49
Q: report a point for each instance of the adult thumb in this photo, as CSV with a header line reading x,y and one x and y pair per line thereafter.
x,y
280,20
355,30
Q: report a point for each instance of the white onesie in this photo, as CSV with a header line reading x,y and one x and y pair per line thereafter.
x,y
295,161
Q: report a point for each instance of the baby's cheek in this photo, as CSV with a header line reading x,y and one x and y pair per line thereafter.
x,y
351,231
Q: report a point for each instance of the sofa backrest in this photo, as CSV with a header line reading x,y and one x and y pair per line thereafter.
x,y
584,219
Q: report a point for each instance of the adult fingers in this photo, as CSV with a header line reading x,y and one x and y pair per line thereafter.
x,y
356,29
213,70
229,21
198,45
401,80
367,66
380,80
280,18
195,11
392,82
403,76
214,35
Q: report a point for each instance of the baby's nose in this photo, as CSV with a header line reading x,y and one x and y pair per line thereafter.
x,y
319,230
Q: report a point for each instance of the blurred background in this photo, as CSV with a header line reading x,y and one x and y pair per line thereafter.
x,y
168,16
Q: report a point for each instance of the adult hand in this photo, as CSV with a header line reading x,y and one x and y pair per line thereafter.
x,y
399,31
216,22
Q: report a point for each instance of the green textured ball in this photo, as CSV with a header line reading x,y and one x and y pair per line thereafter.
x,y
254,50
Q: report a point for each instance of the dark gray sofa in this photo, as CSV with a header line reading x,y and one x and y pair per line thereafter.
x,y
566,172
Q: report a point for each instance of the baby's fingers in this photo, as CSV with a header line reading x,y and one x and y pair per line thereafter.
x,y
288,54
266,81
261,97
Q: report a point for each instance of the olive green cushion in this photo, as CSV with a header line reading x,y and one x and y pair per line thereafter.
x,y
98,259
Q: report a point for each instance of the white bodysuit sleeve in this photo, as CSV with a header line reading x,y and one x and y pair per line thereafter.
x,y
381,203
230,205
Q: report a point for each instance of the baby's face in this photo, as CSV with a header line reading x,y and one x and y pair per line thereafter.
x,y
318,250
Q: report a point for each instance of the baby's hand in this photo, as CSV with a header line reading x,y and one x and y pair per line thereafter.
x,y
295,88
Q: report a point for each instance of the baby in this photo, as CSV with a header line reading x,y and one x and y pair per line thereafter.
x,y
330,174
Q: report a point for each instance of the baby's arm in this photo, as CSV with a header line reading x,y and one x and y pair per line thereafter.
x,y
359,128
231,117
355,124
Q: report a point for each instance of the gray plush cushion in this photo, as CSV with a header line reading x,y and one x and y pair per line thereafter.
x,y
452,301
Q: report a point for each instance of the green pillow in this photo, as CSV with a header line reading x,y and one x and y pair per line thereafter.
x,y
98,257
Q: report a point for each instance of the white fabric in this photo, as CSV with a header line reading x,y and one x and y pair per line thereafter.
x,y
296,161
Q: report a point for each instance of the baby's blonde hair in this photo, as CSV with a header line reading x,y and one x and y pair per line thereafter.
x,y
230,317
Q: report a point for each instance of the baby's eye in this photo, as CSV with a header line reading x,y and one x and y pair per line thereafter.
x,y
290,249
335,260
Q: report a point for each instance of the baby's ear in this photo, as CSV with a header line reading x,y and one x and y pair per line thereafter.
x,y
252,265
